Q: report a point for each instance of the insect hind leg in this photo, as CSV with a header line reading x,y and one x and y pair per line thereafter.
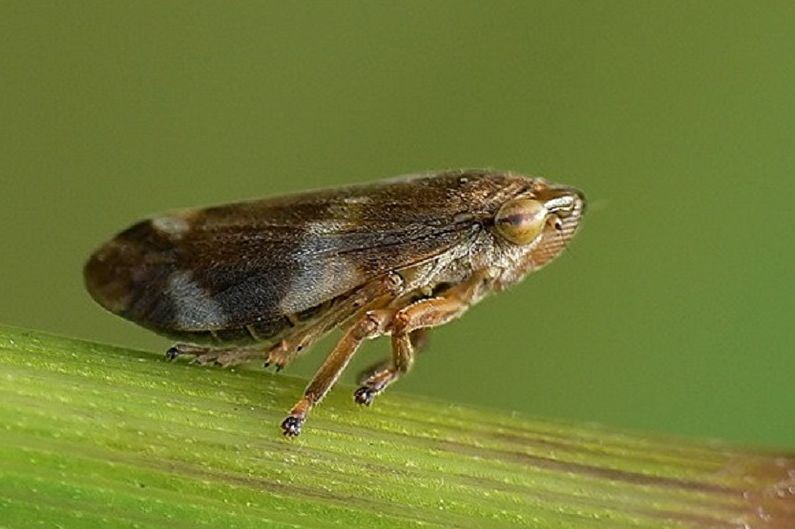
x,y
220,356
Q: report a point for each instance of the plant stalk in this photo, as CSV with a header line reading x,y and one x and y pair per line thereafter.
x,y
99,436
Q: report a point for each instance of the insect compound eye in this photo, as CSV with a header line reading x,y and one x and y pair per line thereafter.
x,y
521,220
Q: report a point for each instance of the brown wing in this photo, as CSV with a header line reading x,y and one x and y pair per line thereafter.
x,y
239,264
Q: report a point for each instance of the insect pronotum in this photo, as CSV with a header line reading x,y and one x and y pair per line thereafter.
x,y
265,279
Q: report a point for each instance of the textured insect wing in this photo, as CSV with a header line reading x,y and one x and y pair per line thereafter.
x,y
259,265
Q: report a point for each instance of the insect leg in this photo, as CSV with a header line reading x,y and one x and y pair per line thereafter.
x,y
423,314
221,356
419,340
285,351
281,354
372,324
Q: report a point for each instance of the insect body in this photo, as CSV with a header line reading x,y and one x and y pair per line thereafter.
x,y
265,279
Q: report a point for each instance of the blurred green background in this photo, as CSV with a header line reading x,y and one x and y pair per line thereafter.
x,y
673,311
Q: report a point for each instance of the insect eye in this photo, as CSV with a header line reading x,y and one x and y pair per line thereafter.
x,y
521,220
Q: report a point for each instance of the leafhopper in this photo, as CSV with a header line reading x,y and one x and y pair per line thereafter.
x,y
265,279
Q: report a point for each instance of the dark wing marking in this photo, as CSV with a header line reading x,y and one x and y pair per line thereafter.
x,y
241,264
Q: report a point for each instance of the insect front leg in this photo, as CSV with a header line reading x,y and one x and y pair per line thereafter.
x,y
371,325
420,315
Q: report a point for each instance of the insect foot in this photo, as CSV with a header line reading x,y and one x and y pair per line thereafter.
x,y
172,353
277,367
376,383
181,349
291,426
364,396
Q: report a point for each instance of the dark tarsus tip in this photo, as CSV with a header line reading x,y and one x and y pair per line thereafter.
x,y
277,367
364,396
172,353
291,426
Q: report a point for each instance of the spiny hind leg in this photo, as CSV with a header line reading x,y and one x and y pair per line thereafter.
x,y
279,355
220,356
370,325
420,315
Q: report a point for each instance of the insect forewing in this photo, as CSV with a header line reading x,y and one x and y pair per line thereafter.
x,y
245,263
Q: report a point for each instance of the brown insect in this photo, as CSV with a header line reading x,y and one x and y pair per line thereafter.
x,y
267,278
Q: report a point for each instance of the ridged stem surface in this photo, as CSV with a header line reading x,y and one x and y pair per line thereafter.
x,y
98,436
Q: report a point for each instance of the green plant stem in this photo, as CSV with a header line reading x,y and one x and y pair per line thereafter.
x,y
98,436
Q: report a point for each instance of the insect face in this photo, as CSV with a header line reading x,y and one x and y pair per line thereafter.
x,y
540,222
